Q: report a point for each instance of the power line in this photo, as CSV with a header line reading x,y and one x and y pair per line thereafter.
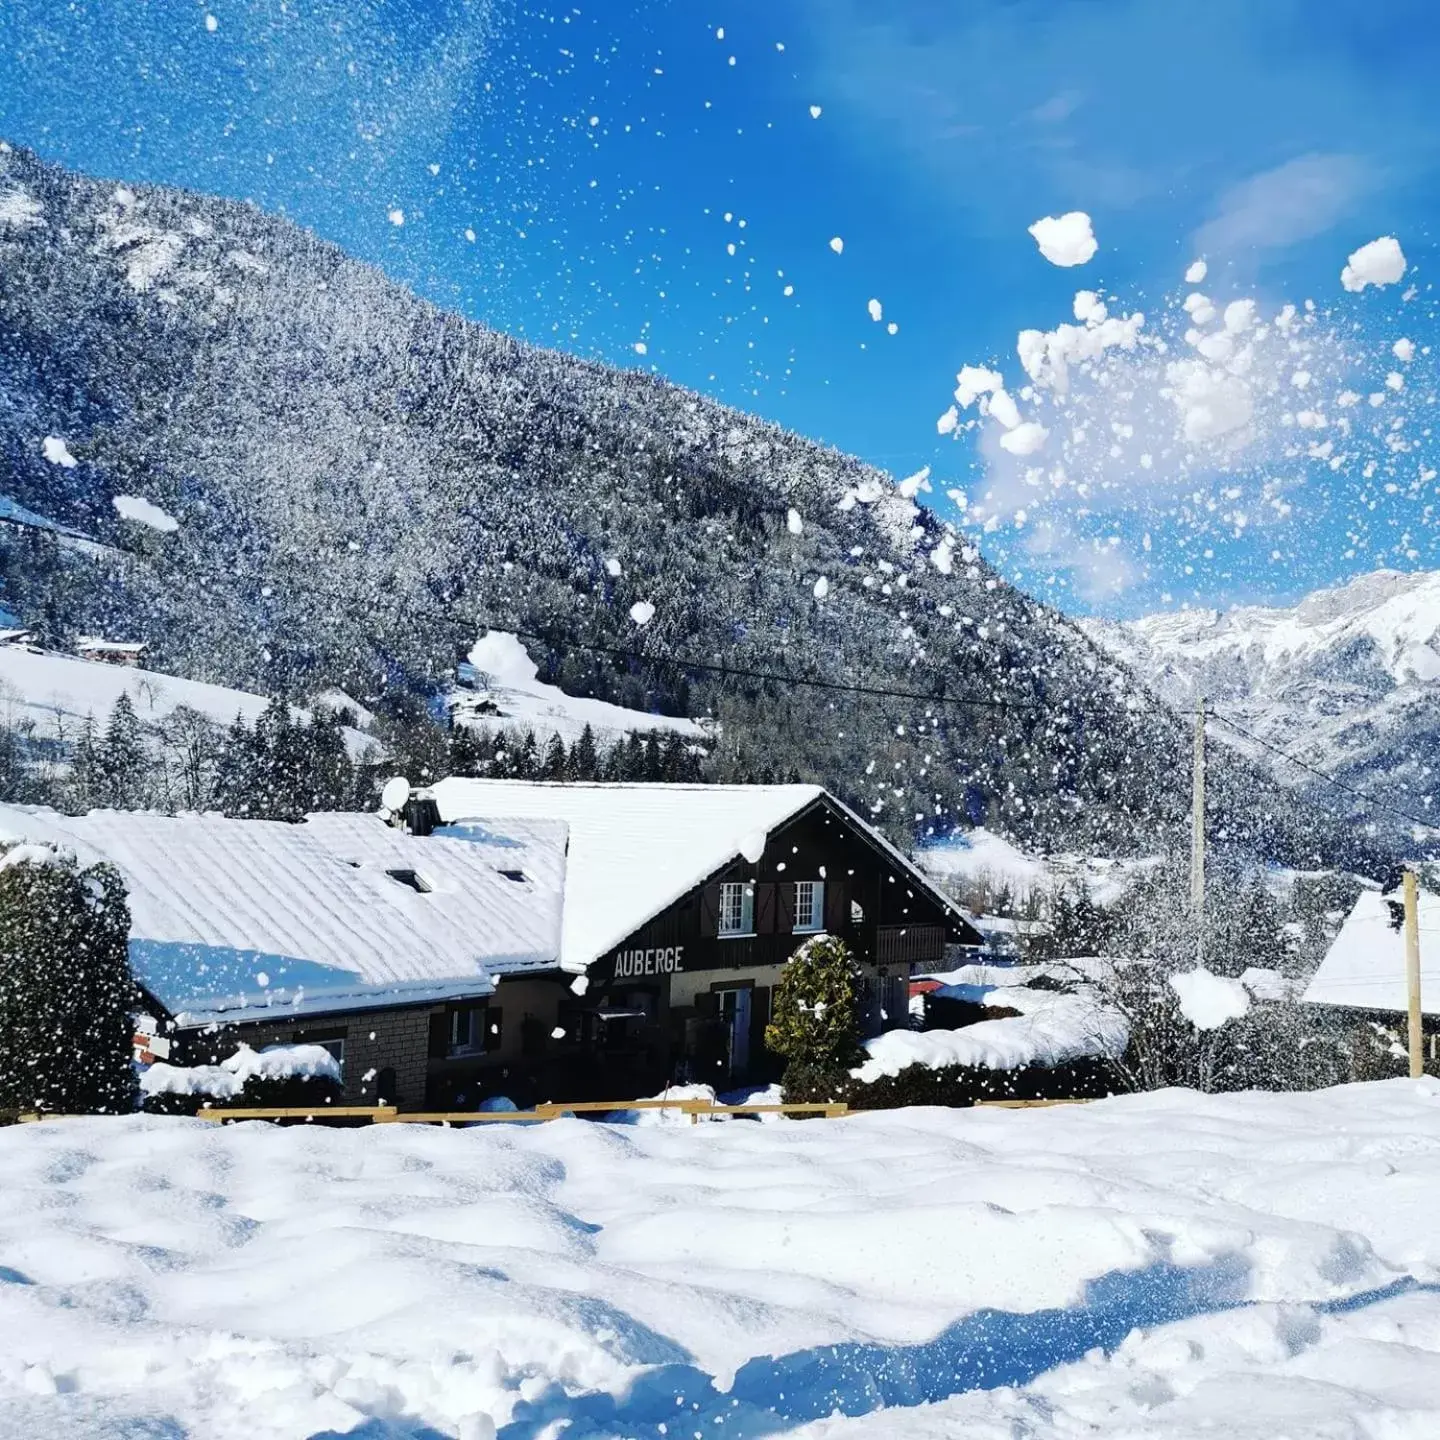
x,y
561,641
1322,775
680,662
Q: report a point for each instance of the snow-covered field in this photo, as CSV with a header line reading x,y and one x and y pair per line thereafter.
x,y
1251,1266
514,697
57,692
981,856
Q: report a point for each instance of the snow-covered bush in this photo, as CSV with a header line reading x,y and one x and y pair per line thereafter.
x,y
815,1022
278,1076
66,991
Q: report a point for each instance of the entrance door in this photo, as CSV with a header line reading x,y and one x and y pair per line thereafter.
x,y
734,1009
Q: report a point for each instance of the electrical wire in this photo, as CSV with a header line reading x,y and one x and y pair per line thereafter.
x,y
557,640
1322,775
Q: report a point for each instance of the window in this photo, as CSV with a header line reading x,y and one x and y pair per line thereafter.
x,y
412,879
737,908
518,876
809,906
467,1030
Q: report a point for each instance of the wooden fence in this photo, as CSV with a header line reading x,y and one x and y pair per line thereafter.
x,y
697,1110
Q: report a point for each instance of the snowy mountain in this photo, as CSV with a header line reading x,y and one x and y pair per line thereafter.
x,y
1346,679
304,476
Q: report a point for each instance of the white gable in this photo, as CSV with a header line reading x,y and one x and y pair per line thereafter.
x,y
238,919
634,849
1365,966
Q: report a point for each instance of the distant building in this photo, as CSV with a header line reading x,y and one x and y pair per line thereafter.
x,y
1363,972
110,652
16,636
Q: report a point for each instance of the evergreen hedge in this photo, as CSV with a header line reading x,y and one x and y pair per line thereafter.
x,y
66,992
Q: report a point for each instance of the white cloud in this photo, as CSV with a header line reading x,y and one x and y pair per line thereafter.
x,y
1303,197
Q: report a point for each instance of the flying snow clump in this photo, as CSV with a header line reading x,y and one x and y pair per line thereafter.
x,y
1403,350
1196,273
1065,240
140,510
822,588
793,523
837,245
57,452
877,311
642,612
1208,1001
1381,262
1025,439
641,348
397,216
814,112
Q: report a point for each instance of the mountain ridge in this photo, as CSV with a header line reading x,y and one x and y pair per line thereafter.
x,y
363,482
1345,678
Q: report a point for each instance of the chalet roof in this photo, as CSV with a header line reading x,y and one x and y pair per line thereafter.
x,y
1364,968
239,919
636,849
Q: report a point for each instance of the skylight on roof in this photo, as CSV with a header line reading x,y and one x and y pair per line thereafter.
x,y
413,879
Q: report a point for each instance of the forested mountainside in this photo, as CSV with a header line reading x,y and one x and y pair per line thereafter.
x,y
1344,679
363,482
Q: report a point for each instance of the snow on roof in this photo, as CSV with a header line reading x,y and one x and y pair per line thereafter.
x,y
1364,967
235,919
55,688
636,849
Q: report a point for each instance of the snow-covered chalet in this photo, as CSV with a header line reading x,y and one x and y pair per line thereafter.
x,y
545,941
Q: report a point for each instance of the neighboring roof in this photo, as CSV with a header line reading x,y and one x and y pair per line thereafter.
x,y
1364,968
119,647
235,919
637,849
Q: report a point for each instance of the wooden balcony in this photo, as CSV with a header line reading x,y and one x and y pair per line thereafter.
x,y
909,944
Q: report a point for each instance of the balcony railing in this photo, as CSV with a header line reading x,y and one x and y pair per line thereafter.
x,y
909,944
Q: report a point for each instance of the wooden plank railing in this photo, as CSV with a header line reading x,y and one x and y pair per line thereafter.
x,y
551,1110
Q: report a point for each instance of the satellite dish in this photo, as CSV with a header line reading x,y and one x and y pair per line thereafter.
x,y
395,794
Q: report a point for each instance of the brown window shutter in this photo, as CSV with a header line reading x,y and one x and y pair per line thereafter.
x,y
837,906
439,1035
710,911
786,895
765,909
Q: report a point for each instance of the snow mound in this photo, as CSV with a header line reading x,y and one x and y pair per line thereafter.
x,y
1053,1029
165,1276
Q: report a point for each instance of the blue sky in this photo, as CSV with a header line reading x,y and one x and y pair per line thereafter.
x,y
594,151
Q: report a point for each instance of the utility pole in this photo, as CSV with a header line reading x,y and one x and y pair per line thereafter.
x,y
1197,834
1412,974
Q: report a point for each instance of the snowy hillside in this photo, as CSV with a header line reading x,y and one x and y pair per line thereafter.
x,y
1346,679
57,693
1165,1265
503,689
224,356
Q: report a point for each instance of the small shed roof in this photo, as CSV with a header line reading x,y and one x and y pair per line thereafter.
x,y
1364,968
635,849
237,919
